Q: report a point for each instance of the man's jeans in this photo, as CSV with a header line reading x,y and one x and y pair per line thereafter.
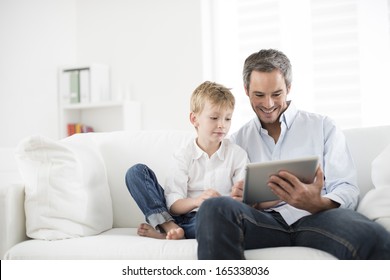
x,y
225,228
149,196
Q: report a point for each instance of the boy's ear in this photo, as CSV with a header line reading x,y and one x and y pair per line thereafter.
x,y
193,119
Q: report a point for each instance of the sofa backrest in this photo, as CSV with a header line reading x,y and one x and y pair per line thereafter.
x,y
365,144
123,149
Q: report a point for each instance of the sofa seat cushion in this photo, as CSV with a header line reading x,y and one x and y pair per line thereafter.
x,y
125,244
114,244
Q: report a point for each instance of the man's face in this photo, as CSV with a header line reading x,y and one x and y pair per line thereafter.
x,y
267,93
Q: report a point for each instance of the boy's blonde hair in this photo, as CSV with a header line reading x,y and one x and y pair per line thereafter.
x,y
216,94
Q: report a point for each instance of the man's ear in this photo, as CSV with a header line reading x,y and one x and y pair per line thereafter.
x,y
288,89
246,91
193,119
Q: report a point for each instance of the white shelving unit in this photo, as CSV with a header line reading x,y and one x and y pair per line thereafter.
x,y
78,106
102,114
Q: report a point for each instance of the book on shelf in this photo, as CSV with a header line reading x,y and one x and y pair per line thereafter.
x,y
74,128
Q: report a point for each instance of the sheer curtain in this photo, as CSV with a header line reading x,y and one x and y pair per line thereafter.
x,y
339,49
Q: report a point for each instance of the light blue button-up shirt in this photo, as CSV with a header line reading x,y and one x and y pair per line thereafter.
x,y
305,134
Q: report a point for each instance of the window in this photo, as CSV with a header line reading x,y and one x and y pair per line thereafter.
x,y
335,60
339,50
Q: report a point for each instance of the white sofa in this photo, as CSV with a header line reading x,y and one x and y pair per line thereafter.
x,y
100,221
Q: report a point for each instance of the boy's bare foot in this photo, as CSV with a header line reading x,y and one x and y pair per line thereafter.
x,y
176,233
171,231
148,231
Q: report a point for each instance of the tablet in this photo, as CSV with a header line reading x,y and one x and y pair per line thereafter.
x,y
257,176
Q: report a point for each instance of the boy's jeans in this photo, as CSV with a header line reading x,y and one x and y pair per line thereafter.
x,y
149,196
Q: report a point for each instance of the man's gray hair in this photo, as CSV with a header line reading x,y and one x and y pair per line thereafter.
x,y
267,61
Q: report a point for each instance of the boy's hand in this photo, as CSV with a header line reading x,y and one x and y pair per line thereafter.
x,y
209,193
237,191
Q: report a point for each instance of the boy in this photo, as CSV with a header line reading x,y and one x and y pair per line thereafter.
x,y
209,166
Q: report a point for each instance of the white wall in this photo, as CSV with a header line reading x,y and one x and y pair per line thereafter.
x,y
154,49
35,37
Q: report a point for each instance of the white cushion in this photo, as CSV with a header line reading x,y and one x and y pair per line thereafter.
x,y
376,203
67,193
380,169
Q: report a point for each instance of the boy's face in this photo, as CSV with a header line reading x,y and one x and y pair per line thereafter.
x,y
213,123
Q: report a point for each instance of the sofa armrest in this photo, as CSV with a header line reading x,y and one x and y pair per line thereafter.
x,y
12,216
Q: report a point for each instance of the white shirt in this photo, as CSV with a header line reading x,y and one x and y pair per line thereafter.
x,y
194,172
305,134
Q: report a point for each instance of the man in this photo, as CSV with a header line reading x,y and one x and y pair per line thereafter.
x,y
318,215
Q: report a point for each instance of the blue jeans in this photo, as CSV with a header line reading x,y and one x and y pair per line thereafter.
x,y
149,195
226,228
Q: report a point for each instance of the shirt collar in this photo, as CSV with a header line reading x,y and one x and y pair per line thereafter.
x,y
198,152
289,115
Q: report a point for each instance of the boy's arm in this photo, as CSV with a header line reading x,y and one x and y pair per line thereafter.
x,y
241,161
186,205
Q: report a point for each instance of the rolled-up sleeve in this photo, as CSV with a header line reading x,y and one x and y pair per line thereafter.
x,y
339,169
